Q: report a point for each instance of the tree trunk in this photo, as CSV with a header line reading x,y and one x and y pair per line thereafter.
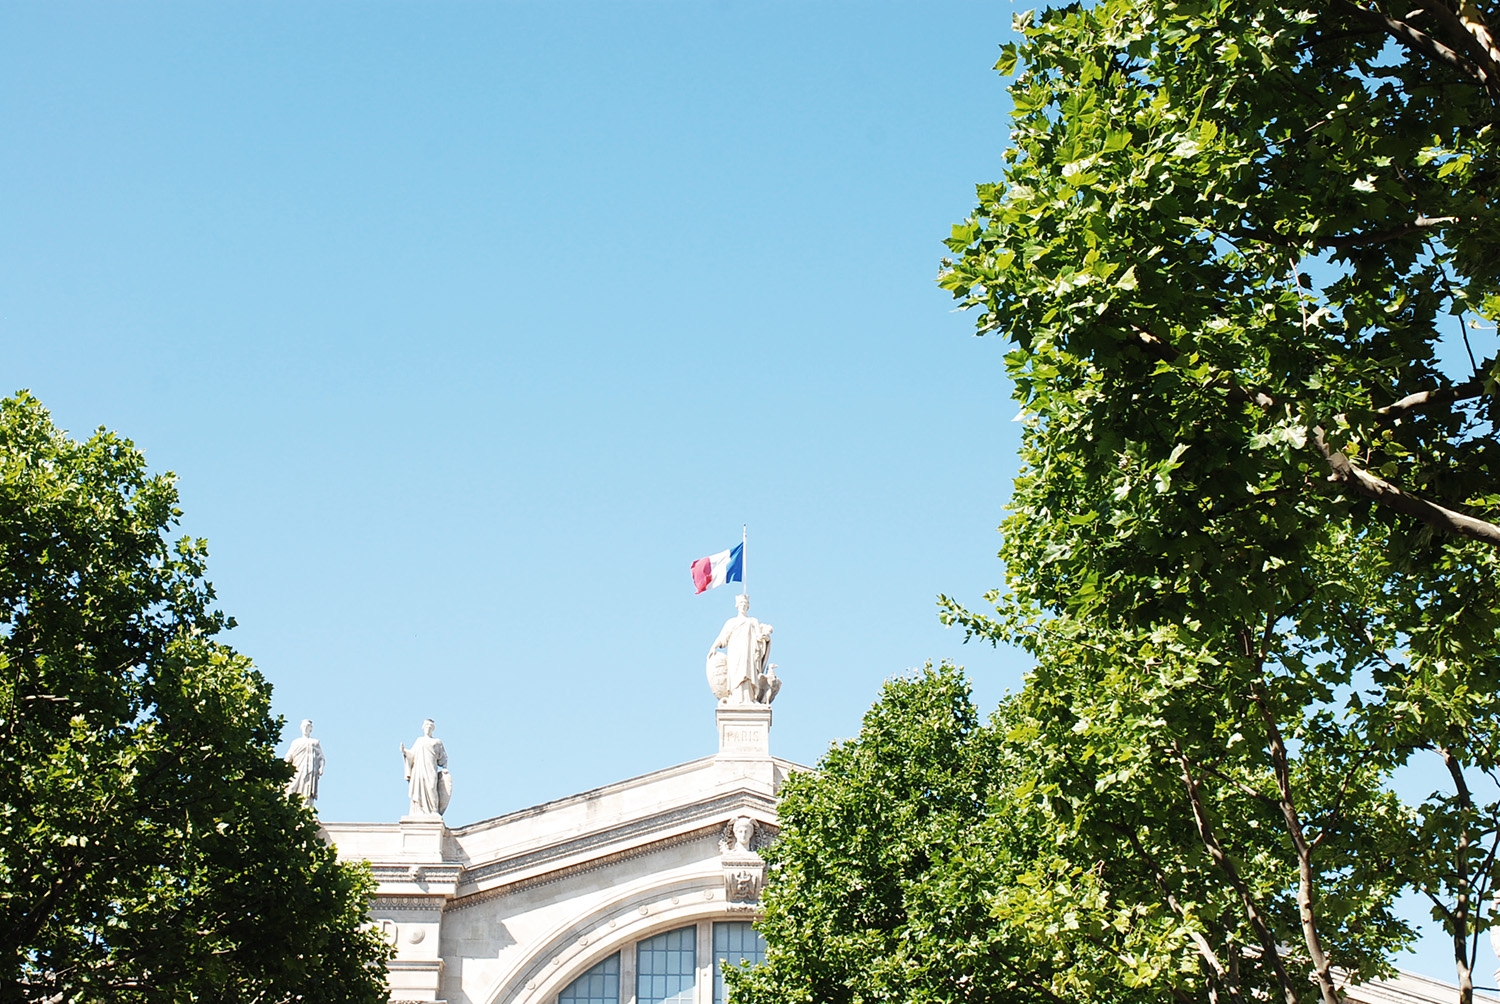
x,y
1222,860
1322,968
1462,901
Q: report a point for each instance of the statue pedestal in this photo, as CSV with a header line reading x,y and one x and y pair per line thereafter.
x,y
744,731
422,838
744,878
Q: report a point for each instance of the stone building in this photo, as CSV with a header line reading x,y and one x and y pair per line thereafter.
x,y
641,884
634,893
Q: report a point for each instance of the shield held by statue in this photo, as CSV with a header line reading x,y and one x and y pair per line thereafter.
x,y
444,790
718,674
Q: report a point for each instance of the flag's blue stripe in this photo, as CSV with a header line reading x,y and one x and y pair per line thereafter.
x,y
736,572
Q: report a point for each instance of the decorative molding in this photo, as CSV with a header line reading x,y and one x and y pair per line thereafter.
x,y
390,932
416,965
744,878
434,874
383,902
582,868
710,810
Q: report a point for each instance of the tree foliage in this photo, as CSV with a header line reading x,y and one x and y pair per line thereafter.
x,y
912,865
147,849
1253,547
1253,543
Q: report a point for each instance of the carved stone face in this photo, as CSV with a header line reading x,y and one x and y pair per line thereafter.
x,y
428,726
742,604
744,832
307,727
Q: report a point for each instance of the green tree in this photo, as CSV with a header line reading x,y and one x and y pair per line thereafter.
x,y
917,865
147,850
1253,545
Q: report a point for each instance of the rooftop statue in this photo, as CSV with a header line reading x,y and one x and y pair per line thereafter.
x,y
429,784
770,685
306,755
740,674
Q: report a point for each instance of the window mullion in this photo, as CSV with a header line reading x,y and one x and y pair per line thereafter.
x,y
705,962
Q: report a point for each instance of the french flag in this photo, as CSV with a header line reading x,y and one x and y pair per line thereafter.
x,y
717,569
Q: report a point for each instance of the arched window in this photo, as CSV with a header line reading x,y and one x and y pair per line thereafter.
x,y
600,985
682,966
735,943
666,967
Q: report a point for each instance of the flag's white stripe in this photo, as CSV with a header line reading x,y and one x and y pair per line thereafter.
x,y
720,565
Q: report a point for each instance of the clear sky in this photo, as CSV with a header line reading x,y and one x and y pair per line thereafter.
x,y
466,327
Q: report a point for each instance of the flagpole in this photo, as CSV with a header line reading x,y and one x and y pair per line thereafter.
x,y
744,539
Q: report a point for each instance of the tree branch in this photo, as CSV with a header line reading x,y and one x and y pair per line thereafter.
x,y
1481,887
1156,348
1210,958
1471,33
1165,351
1225,864
1282,770
1418,41
1348,240
1439,905
1345,471
1468,16
1442,395
1335,812
1439,518
1461,905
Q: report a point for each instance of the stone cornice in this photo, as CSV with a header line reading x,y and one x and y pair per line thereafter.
x,y
420,886
708,811
691,766
437,874
403,901
582,868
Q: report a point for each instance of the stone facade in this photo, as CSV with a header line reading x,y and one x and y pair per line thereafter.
x,y
513,909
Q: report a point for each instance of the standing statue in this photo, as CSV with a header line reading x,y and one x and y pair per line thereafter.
x,y
429,784
747,644
306,755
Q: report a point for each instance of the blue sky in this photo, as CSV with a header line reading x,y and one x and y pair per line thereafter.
x,y
467,326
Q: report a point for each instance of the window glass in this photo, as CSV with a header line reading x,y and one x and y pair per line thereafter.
x,y
600,985
735,943
666,967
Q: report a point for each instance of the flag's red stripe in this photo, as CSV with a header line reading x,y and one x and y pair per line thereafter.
x,y
703,572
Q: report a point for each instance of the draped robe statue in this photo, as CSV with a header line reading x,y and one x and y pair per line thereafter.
x,y
306,755
747,644
428,782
